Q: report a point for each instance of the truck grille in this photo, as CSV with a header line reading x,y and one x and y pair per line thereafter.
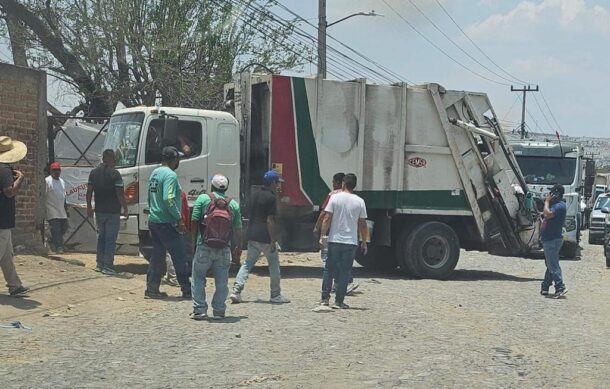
x,y
598,222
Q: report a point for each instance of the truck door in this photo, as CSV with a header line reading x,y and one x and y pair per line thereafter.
x,y
193,170
223,138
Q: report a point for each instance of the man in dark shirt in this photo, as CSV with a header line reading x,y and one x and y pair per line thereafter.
x,y
106,184
11,151
551,234
262,238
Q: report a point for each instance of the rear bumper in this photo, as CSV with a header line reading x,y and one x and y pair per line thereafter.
x,y
128,232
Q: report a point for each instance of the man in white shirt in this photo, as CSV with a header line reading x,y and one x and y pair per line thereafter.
x,y
56,208
346,220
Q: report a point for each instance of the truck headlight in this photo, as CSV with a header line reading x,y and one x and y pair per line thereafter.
x,y
570,223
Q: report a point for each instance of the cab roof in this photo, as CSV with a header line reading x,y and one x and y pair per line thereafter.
x,y
215,115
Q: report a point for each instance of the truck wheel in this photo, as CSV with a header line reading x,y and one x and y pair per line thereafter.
x,y
434,250
591,240
403,256
378,257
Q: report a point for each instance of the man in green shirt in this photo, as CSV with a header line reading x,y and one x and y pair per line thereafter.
x,y
166,226
217,258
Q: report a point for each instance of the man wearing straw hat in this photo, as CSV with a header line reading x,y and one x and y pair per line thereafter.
x,y
11,151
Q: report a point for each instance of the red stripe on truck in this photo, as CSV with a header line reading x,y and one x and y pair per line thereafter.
x,y
283,142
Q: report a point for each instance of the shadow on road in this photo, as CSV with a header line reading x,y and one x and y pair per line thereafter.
x,y
23,303
487,275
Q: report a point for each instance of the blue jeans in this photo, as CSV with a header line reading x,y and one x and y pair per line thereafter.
x,y
254,251
338,267
107,231
219,260
325,273
167,238
553,271
58,228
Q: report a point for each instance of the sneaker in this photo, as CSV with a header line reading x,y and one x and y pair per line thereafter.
x,y
324,302
20,291
170,281
560,293
155,295
198,316
340,306
187,295
279,299
218,316
544,292
98,269
109,272
236,298
351,288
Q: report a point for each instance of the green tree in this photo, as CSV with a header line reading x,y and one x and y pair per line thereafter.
x,y
132,51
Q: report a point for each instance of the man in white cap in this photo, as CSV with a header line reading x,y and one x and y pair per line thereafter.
x,y
11,151
215,223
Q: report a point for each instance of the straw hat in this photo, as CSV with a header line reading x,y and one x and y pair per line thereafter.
x,y
11,151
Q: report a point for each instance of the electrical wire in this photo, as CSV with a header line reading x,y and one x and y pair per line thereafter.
x,y
477,46
511,108
455,44
388,71
551,112
440,49
542,112
282,22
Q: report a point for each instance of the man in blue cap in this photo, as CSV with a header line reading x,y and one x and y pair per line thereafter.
x,y
262,238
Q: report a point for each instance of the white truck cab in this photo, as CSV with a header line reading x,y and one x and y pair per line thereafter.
x,y
544,164
209,141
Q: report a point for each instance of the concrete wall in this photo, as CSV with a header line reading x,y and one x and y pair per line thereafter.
x,y
23,116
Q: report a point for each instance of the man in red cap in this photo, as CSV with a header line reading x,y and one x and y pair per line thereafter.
x,y
56,208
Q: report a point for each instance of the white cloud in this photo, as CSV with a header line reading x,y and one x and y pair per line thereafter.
x,y
518,23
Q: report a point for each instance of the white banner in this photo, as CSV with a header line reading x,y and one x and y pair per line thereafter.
x,y
76,184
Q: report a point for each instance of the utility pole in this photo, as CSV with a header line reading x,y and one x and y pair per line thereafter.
x,y
525,89
322,24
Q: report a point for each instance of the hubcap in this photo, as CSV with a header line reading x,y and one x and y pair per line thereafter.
x,y
435,251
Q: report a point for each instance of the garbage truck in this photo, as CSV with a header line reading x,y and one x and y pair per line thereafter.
x,y
433,165
545,163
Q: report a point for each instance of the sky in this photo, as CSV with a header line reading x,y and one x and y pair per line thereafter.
x,y
560,45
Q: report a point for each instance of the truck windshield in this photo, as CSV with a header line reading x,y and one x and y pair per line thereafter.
x,y
602,202
545,170
123,136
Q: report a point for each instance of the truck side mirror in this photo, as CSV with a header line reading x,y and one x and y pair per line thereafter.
x,y
170,131
606,210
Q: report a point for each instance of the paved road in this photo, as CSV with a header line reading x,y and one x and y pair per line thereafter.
x,y
487,327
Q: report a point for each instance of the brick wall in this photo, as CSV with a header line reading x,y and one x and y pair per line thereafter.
x,y
23,101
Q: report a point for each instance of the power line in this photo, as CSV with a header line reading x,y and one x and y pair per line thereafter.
x,y
477,46
388,71
454,43
439,48
511,108
543,114
273,18
551,112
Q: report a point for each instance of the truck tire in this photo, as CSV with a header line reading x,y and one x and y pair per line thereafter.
x,y
404,257
591,240
378,257
434,249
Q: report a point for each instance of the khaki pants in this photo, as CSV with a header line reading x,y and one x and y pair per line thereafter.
x,y
6,260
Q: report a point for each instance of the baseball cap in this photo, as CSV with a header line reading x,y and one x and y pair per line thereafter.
x,y
220,181
272,176
170,152
55,166
557,189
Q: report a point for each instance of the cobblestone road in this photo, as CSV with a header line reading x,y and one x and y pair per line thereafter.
x,y
487,327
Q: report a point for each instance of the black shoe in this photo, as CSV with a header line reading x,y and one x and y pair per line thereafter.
x,y
560,293
20,291
199,316
155,295
544,292
187,295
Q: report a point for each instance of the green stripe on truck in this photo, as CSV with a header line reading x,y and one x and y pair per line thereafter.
x,y
313,185
416,199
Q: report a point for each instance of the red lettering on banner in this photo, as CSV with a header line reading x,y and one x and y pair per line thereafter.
x,y
417,162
